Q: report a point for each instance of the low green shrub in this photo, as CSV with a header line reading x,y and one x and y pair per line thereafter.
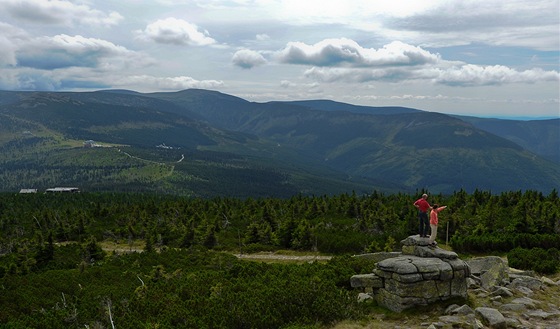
x,y
182,288
546,261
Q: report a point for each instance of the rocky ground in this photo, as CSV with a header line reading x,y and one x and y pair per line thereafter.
x,y
539,311
498,297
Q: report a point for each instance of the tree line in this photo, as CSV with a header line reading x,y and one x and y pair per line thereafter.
x,y
340,224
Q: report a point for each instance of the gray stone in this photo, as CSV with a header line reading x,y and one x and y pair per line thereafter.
x,y
513,307
408,280
397,303
400,265
514,273
502,291
472,283
542,314
479,291
493,274
416,246
450,308
458,321
383,274
463,310
471,319
458,286
425,251
525,291
548,281
445,290
421,289
362,297
526,281
451,319
554,307
366,281
446,273
459,265
477,324
431,265
379,256
480,265
512,322
528,302
415,240
491,317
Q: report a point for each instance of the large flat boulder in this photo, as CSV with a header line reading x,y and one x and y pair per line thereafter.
x,y
417,246
491,270
416,280
420,275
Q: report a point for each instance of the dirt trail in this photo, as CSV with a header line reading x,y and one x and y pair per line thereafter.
x,y
282,257
258,256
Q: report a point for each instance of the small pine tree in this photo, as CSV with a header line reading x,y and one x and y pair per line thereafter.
x,y
390,244
92,251
149,247
373,247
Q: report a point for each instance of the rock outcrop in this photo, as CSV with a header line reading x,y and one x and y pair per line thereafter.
x,y
420,275
498,296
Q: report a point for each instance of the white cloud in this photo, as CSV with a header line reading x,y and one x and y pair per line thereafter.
x,y
77,78
520,23
58,12
28,79
357,13
62,51
262,37
434,23
287,84
302,88
247,59
479,15
475,75
12,32
465,75
7,44
8,53
346,52
344,60
150,83
10,38
176,31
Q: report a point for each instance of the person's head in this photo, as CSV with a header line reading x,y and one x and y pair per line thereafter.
x,y
424,196
435,206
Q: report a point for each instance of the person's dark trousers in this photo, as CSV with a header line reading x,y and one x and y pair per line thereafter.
x,y
424,228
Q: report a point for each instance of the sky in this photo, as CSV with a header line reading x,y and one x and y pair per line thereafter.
x,y
489,58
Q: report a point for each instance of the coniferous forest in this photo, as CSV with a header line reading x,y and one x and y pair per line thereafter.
x,y
178,267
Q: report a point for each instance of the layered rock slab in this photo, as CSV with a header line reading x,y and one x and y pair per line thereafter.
x,y
419,276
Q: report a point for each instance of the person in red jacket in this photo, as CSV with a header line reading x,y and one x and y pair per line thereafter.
x,y
423,206
434,223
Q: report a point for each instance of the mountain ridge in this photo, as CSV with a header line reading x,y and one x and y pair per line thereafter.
x,y
312,147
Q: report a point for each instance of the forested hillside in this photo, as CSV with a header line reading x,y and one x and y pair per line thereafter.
x,y
540,136
203,143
